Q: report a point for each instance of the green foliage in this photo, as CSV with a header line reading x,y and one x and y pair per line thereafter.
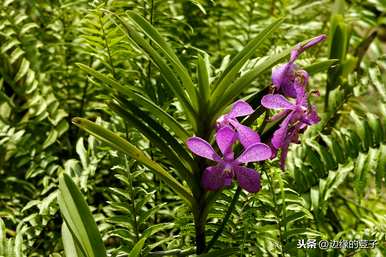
x,y
79,221
343,146
10,247
147,74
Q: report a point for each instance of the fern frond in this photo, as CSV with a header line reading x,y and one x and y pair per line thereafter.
x,y
312,160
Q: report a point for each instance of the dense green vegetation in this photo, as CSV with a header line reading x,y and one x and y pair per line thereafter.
x,y
98,99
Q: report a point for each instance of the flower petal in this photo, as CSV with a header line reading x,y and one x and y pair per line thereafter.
x,y
301,48
213,178
314,41
225,138
295,52
202,148
249,179
247,136
289,90
280,134
280,73
293,136
254,153
312,116
283,155
301,95
276,101
239,109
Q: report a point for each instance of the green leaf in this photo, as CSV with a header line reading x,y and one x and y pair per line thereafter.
x,y
122,145
320,66
156,228
339,7
19,245
167,72
159,137
16,54
203,71
79,219
335,179
4,97
136,250
338,45
377,129
165,117
9,45
334,148
240,59
70,247
361,173
27,27
324,155
245,81
133,93
338,38
3,238
314,193
23,69
164,47
51,138
234,88
380,175
361,130
104,78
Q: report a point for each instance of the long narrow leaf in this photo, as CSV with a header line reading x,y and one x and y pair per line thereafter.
x,y
136,250
320,66
240,59
133,93
163,133
122,145
103,78
167,73
203,81
78,218
3,238
162,115
149,131
164,47
245,81
69,245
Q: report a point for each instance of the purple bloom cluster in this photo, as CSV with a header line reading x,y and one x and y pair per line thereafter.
x,y
229,131
291,82
290,96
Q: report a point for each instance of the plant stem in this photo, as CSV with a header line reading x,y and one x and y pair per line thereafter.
x,y
277,209
225,220
199,223
326,97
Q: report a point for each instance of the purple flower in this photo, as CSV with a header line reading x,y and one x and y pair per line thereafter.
x,y
288,76
245,135
297,117
227,167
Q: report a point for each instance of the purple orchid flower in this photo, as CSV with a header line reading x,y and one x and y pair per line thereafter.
x,y
221,175
245,135
297,117
288,76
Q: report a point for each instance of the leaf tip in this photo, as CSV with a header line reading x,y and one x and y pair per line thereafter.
x,y
77,120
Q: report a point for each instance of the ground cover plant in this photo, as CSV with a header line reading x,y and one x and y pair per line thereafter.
x,y
192,128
